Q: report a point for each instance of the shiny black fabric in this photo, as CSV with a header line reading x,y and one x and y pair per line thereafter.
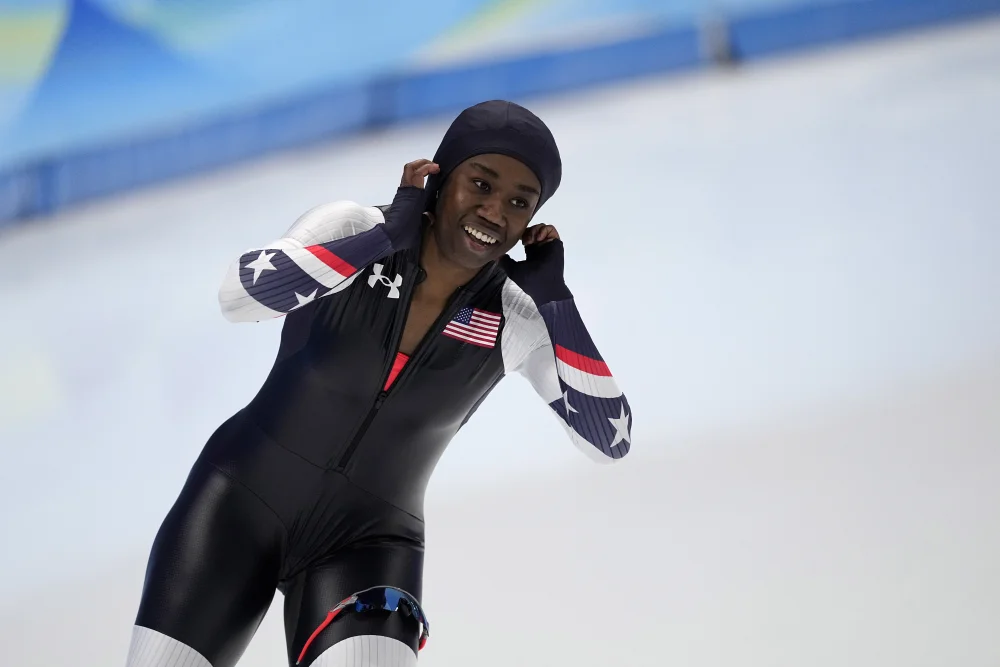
x,y
316,487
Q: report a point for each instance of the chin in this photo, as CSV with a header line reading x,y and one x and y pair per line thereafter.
x,y
475,262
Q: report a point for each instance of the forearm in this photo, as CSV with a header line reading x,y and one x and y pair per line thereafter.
x,y
593,404
322,250
549,345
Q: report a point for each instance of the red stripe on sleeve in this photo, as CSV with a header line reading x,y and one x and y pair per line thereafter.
x,y
331,260
580,362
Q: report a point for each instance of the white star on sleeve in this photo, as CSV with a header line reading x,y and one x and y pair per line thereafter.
x,y
569,408
621,428
261,264
303,300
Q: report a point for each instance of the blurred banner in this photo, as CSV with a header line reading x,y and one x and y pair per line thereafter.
x,y
101,95
83,72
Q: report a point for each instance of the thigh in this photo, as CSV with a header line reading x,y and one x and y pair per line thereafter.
x,y
317,590
213,569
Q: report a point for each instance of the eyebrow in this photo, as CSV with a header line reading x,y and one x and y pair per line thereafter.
x,y
491,172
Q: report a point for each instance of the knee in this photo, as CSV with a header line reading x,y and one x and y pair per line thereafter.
x,y
150,648
368,650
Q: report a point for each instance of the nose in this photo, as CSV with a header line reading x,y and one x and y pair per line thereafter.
x,y
491,210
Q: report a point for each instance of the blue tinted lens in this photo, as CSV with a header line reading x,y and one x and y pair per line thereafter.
x,y
392,598
370,600
411,604
388,599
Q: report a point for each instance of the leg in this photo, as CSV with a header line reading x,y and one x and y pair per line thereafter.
x,y
370,650
355,640
211,576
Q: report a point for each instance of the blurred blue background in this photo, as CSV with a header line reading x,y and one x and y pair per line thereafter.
x,y
98,96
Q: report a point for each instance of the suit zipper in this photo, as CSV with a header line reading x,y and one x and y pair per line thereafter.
x,y
397,336
446,314
356,440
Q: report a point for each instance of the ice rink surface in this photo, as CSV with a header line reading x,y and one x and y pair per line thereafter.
x,y
792,268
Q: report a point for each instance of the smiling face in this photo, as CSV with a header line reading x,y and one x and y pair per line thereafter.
x,y
484,207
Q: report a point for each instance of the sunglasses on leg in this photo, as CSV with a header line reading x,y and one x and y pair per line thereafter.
x,y
377,598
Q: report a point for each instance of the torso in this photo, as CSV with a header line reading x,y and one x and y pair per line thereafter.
x,y
333,400
423,312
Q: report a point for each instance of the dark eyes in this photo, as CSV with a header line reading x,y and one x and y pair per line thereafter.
x,y
485,187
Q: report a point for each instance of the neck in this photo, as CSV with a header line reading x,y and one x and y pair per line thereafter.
x,y
443,276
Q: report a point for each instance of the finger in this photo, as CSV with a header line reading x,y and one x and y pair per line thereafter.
x,y
410,170
425,170
542,233
530,235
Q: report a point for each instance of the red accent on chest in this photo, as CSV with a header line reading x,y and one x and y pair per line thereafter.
x,y
397,366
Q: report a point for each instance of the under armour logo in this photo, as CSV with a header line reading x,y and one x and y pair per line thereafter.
x,y
393,285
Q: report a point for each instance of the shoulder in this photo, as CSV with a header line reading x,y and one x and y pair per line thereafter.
x,y
524,329
335,220
517,305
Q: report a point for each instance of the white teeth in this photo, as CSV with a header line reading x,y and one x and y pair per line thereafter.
x,y
475,233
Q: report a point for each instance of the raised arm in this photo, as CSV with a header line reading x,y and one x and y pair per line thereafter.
x,y
546,341
323,249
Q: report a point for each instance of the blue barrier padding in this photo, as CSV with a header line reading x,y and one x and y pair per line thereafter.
x,y
48,185
413,95
793,28
20,194
195,149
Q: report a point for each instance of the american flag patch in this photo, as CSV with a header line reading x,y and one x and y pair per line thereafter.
x,y
475,326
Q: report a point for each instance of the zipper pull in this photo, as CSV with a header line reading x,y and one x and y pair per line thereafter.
x,y
380,399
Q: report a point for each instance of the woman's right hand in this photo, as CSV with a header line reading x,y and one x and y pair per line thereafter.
x,y
404,220
415,172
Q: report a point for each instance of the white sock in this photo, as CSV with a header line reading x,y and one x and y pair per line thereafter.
x,y
367,651
150,648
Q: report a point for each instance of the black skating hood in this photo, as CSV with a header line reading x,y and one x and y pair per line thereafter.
x,y
500,127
